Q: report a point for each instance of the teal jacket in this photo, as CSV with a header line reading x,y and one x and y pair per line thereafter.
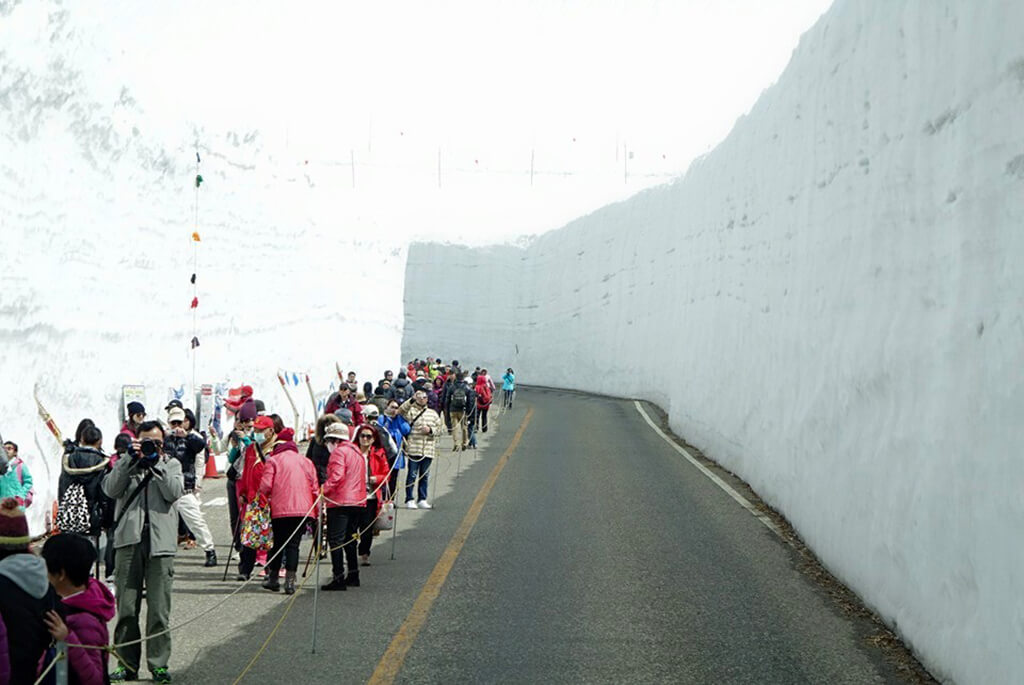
x,y
17,481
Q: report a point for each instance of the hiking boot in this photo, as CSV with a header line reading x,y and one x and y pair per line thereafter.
x,y
160,675
211,559
352,579
122,674
272,583
335,584
289,583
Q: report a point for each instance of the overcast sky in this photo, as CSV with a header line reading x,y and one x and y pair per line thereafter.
x,y
490,84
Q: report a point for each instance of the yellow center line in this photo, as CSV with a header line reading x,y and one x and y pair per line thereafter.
x,y
391,663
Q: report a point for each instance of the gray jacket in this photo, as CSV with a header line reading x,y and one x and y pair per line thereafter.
x,y
164,489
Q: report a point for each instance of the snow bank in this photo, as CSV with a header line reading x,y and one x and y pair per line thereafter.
x,y
96,219
829,304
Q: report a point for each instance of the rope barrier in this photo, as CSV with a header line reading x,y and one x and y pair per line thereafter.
x,y
320,500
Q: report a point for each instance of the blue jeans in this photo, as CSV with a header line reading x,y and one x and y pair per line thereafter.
x,y
420,469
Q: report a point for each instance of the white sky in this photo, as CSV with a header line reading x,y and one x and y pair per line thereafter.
x,y
484,81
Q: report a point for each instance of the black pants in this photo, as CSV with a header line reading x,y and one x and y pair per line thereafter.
x,y
246,560
236,529
342,524
285,548
366,521
481,417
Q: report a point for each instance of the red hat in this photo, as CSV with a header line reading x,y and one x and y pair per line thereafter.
x,y
286,435
263,422
238,397
13,527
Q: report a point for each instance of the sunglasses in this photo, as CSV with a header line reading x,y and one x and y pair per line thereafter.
x,y
177,423
368,436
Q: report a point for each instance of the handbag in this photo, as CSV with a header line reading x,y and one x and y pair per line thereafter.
x,y
385,517
256,530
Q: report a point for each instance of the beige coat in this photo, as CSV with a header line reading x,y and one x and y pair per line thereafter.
x,y
418,444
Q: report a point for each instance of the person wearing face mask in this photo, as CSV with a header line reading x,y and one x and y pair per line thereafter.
x,y
344,495
256,533
145,486
420,447
289,481
239,440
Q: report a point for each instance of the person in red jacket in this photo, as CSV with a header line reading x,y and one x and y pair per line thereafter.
x,y
265,432
371,445
344,497
484,396
289,480
88,606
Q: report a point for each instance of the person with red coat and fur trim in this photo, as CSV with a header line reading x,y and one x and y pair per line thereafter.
x,y
371,445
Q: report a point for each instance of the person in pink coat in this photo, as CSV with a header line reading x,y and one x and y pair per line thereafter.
x,y
344,498
289,481
88,606
370,440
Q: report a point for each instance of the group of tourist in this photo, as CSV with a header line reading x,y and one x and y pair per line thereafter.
x,y
131,509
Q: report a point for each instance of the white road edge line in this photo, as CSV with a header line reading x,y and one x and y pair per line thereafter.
x,y
743,501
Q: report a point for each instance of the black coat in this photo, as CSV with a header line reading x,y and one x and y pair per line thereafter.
x,y
319,455
185,449
87,466
27,635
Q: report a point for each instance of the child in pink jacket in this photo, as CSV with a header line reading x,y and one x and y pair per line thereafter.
x,y
88,606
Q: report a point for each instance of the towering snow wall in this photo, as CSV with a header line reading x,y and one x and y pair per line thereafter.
x,y
830,304
96,222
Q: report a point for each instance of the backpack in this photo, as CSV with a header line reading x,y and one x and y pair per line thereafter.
x,y
73,511
484,395
459,397
21,479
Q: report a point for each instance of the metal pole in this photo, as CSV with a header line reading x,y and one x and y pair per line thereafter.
x,y
532,154
60,669
316,587
394,528
352,158
439,168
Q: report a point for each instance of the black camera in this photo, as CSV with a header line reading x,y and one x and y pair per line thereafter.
x,y
150,452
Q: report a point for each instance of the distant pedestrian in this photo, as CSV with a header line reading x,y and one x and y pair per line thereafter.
x,y
188,446
508,387
370,440
483,401
15,478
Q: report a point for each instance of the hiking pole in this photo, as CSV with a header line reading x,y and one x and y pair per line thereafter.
x,y
316,587
231,547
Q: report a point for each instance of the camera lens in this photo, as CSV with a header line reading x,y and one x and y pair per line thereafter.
x,y
149,447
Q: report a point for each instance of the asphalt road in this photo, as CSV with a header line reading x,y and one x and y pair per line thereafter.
x,y
601,555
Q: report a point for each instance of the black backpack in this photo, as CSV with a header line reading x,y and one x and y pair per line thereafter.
x,y
459,397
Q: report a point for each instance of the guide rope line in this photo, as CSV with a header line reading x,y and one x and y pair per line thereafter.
x,y
321,499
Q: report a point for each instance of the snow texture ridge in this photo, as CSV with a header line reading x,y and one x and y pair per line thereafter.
x,y
829,304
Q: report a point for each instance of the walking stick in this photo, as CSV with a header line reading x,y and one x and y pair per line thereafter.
x,y
231,547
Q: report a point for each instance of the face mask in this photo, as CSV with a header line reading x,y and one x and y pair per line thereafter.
x,y
259,438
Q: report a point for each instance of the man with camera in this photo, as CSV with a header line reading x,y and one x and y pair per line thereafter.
x,y
145,486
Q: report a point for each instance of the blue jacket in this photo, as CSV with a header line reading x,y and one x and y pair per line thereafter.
x,y
509,381
397,428
13,486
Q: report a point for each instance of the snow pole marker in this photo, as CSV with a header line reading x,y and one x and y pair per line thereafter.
x,y
312,396
288,394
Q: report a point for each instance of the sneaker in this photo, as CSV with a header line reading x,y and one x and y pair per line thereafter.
x,y
364,559
122,674
410,504
160,675
424,504
272,584
211,559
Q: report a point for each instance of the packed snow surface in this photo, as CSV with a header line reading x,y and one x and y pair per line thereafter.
x,y
829,304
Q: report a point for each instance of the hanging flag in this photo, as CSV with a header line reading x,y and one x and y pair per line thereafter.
x,y
199,180
195,302
193,279
195,342
198,161
295,378
195,236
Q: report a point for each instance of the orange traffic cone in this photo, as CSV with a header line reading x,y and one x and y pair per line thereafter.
x,y
211,468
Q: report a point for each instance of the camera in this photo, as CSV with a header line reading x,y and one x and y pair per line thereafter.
x,y
150,453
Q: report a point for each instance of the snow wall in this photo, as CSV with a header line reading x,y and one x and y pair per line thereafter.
x,y
96,220
829,304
